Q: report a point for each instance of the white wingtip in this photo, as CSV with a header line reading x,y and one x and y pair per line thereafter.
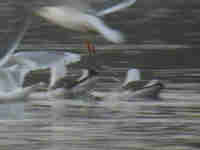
x,y
115,8
132,75
108,33
113,36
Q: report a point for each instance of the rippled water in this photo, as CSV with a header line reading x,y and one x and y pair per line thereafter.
x,y
164,44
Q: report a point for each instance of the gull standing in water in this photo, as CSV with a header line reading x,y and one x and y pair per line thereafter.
x,y
71,88
80,15
131,87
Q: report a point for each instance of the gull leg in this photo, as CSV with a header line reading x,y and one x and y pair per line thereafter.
x,y
91,47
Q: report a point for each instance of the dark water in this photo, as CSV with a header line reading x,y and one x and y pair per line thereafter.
x,y
164,44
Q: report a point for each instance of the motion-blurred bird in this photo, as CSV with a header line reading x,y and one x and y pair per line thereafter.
x,y
80,15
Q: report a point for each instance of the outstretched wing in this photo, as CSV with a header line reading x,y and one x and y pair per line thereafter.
x,y
7,52
120,6
98,7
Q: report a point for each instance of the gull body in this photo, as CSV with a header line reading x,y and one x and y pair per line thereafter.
x,y
73,19
80,15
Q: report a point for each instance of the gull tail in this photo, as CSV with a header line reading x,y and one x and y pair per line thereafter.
x,y
118,7
108,33
132,75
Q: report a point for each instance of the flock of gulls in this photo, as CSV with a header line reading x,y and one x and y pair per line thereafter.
x,y
76,15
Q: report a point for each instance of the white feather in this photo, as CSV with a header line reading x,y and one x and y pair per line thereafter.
x,y
118,7
108,33
132,75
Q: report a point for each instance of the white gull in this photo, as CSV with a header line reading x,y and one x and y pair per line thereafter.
x,y
81,15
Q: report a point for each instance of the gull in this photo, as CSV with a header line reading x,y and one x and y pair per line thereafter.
x,y
131,87
80,15
71,88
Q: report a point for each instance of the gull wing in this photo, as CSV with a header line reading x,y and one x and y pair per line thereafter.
x,y
8,52
120,6
97,7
